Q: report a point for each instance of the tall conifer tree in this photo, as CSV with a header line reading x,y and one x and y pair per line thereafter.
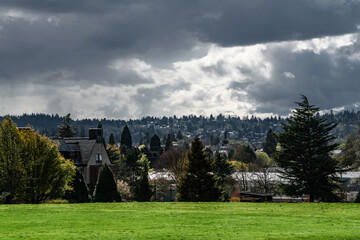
x,y
168,143
155,143
106,188
198,184
65,129
304,154
270,143
222,169
112,139
80,191
126,140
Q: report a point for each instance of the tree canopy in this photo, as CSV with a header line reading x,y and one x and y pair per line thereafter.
x,y
244,154
305,155
270,143
65,129
80,191
168,143
350,151
155,144
222,170
126,139
198,184
106,188
31,167
112,139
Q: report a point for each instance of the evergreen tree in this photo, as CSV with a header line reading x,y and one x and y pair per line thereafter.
x,y
112,139
270,143
168,144
222,169
179,135
250,154
305,146
155,144
65,129
114,153
198,183
99,125
106,188
80,191
143,192
128,168
126,140
225,140
349,157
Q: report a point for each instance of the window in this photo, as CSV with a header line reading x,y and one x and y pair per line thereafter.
x,y
98,157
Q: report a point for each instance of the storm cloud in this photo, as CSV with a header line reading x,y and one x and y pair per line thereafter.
x,y
126,59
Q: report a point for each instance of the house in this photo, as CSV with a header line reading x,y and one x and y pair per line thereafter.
x,y
88,153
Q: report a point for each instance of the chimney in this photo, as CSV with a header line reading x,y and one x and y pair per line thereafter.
x,y
94,133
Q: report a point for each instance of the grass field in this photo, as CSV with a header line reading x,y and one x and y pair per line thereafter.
x,y
180,221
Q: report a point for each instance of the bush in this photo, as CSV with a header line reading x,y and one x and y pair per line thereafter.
x,y
79,192
106,188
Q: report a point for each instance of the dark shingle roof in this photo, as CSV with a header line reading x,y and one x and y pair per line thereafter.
x,y
82,145
85,146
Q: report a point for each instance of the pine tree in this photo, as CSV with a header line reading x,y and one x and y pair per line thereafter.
x,y
168,143
126,140
349,157
106,188
179,135
128,170
112,139
251,156
270,143
155,144
114,153
143,192
80,191
222,169
305,146
65,129
198,183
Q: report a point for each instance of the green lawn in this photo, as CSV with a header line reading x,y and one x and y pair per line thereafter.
x,y
180,221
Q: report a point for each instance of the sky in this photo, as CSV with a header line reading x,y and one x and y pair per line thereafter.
x,y
128,59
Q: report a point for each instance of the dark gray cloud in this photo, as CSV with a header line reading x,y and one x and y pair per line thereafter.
x,y
329,79
248,22
75,43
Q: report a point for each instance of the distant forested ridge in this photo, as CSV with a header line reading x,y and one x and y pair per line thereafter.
x,y
210,129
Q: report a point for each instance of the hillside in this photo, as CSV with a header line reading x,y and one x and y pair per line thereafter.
x,y
210,129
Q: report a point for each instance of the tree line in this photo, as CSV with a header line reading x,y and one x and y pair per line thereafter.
x,y
211,129
303,150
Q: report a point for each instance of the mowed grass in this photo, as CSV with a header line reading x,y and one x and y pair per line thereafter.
x,y
180,221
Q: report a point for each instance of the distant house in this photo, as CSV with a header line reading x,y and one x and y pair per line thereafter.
x,y
88,153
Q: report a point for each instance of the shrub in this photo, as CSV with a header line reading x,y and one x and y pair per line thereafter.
x,y
106,189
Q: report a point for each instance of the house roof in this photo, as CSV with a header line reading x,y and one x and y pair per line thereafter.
x,y
85,146
82,145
